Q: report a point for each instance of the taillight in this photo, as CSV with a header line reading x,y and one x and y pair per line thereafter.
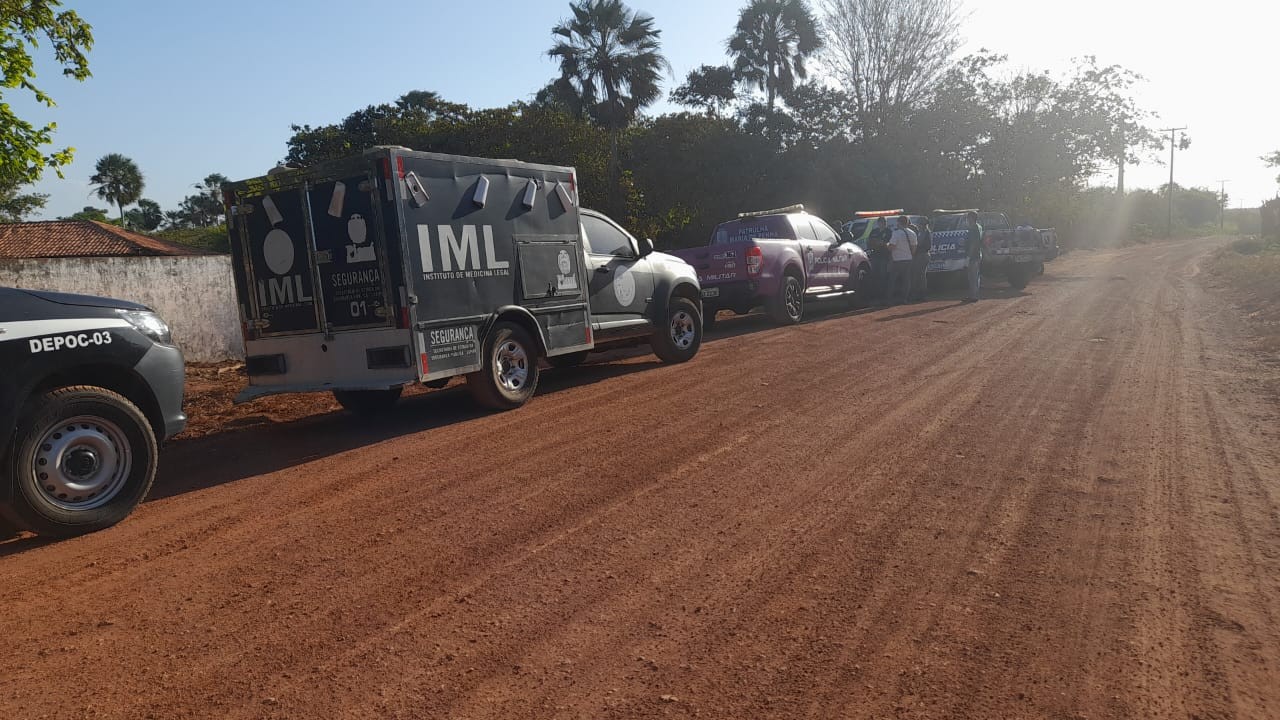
x,y
755,260
404,318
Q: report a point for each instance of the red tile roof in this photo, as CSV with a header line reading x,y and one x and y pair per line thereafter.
x,y
80,238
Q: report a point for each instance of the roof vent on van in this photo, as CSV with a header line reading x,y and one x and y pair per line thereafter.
x,y
481,195
797,208
530,194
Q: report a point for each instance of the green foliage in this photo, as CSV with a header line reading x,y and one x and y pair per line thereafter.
x,y
610,61
146,217
15,206
771,43
709,87
1272,160
118,180
89,213
23,24
203,209
213,238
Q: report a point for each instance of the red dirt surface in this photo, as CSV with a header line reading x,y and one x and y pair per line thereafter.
x,y
1063,503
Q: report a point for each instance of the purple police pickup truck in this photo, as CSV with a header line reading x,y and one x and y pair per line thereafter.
x,y
776,259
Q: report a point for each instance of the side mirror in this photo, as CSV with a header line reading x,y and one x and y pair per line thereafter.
x,y
646,247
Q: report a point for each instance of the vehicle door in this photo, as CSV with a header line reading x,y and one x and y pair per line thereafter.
x,y
350,254
812,252
833,265
621,282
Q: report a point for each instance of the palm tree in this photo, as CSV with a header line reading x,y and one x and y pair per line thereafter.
x,y
771,43
118,181
610,64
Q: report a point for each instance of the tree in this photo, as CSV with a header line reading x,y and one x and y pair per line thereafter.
x,y
771,43
890,55
118,181
610,66
610,61
1109,115
15,206
89,213
1272,160
23,23
147,216
710,88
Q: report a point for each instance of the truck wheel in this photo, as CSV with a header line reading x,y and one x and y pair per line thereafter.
x,y
1018,278
367,402
573,359
510,373
859,287
679,338
81,460
788,307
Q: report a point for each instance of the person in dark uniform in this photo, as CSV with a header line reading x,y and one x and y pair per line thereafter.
x,y
881,258
973,246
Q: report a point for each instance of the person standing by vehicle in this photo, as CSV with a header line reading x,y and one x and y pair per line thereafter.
x,y
881,259
920,260
974,247
902,245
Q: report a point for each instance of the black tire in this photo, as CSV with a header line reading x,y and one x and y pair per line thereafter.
x,y
788,307
678,338
859,285
510,373
367,402
573,359
709,320
1018,278
73,440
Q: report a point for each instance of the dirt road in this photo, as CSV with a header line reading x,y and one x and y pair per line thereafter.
x,y
1060,504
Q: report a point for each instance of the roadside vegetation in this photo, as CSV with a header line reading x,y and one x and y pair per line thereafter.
x,y
1249,270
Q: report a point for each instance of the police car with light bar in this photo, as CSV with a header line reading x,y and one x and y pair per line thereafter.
x,y
89,388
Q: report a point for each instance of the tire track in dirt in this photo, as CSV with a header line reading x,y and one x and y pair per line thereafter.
x,y
798,523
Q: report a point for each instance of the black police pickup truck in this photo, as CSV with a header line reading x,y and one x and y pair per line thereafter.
x,y
87,386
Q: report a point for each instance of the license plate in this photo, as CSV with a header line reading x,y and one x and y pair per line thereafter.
x,y
710,292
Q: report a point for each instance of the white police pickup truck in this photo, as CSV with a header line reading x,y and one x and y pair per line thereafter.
x,y
88,386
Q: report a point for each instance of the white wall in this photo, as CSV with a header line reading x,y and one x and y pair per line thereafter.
x,y
195,295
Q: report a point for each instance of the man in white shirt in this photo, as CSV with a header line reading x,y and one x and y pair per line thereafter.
x,y
902,246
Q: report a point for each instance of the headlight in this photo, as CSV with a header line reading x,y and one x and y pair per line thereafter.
x,y
149,324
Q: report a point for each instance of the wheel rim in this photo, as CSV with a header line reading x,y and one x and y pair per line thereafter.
x,y
512,365
682,330
792,297
82,463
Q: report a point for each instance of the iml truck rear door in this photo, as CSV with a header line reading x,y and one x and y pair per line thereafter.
x,y
350,253
278,263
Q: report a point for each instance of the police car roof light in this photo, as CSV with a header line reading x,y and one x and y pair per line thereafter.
x,y
797,208
877,213
956,212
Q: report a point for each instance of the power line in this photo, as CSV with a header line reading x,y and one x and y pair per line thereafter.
x,y
1173,145
1222,203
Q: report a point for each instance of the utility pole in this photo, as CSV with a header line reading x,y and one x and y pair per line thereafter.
x,y
1173,145
1222,203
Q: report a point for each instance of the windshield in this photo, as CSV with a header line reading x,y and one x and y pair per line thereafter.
x,y
943,223
769,226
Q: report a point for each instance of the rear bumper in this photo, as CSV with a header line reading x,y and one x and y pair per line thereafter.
x,y
314,363
741,295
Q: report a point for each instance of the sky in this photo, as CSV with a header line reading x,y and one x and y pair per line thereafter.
x,y
187,88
